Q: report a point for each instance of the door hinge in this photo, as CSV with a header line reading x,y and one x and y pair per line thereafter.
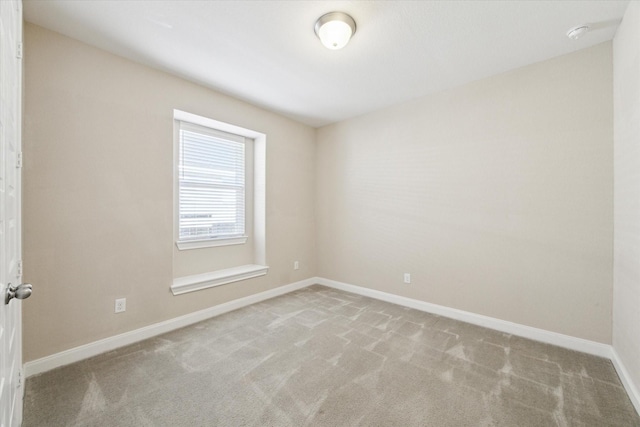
x,y
19,268
19,378
19,160
19,51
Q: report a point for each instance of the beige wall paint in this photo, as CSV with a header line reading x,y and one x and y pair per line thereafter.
x,y
97,200
496,197
626,288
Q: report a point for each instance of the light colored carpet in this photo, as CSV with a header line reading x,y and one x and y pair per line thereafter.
x,y
324,357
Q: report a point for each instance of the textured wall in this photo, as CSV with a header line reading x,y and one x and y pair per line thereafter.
x,y
626,288
98,191
496,196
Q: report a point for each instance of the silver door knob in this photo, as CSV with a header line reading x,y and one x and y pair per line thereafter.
x,y
19,292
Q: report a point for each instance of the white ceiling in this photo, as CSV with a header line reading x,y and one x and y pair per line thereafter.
x,y
266,52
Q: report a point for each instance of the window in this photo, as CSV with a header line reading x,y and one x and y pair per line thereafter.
x,y
211,185
219,200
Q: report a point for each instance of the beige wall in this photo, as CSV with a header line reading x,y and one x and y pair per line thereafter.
x,y
97,194
626,288
496,196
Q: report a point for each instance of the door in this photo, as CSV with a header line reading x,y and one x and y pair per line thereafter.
x,y
11,390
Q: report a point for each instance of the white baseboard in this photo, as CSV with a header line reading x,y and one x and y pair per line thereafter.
x,y
561,340
573,343
108,344
625,378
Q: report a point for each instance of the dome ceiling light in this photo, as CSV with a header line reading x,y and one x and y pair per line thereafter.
x,y
335,29
577,32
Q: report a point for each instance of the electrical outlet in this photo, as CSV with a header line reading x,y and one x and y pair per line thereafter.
x,y
121,305
296,265
407,277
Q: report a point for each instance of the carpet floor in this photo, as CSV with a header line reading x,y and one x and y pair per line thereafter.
x,y
319,357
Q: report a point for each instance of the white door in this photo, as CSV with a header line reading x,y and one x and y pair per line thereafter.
x,y
11,390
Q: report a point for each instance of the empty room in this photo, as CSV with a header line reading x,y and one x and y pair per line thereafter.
x,y
320,213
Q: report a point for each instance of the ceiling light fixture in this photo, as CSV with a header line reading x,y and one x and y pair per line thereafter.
x,y
577,32
335,29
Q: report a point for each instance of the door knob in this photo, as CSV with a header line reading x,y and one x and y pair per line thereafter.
x,y
19,292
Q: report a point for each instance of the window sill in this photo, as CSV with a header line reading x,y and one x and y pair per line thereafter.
x,y
183,285
210,243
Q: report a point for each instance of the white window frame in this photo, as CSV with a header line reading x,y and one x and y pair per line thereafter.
x,y
215,127
258,237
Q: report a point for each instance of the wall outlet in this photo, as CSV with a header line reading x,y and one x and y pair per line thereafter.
x,y
121,305
407,277
296,265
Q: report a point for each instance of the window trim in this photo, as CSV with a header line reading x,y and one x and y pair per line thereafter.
x,y
198,282
211,243
250,209
258,234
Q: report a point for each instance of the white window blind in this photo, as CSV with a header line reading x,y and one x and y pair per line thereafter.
x,y
211,175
